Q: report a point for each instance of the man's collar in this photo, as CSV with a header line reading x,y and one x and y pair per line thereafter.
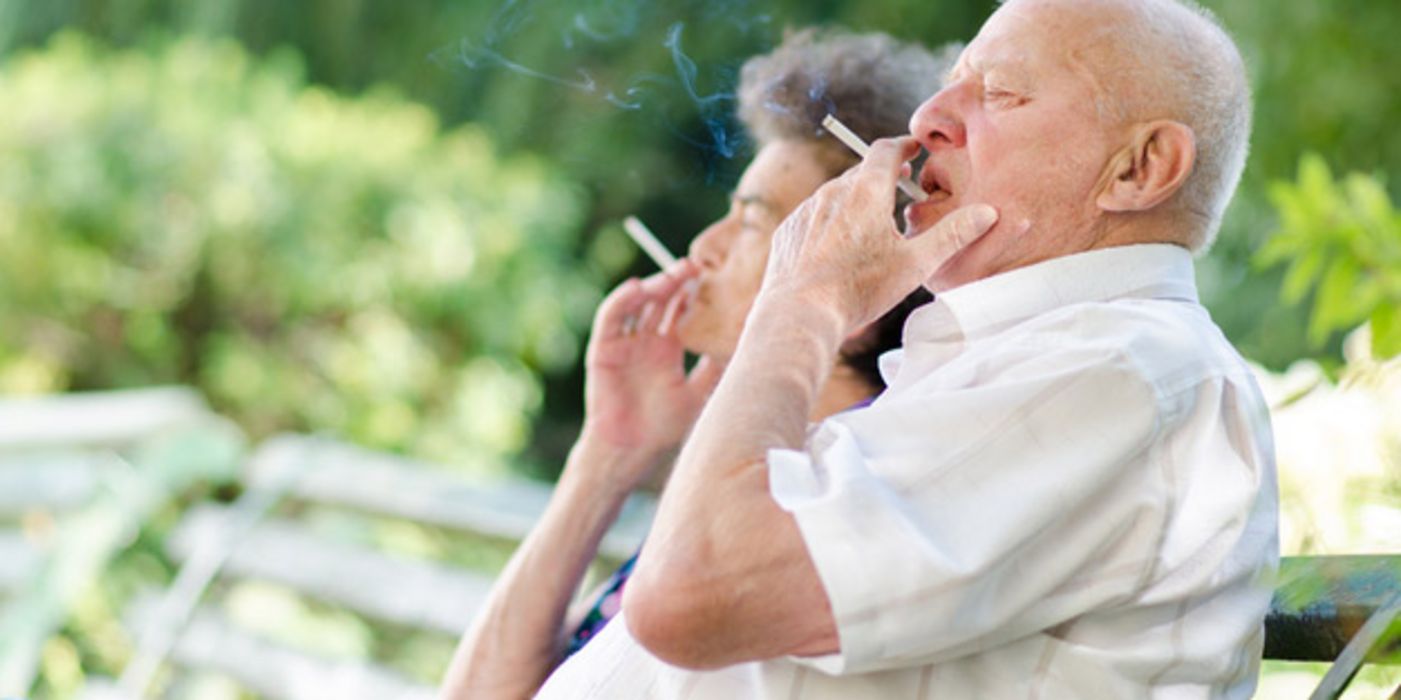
x,y
1152,271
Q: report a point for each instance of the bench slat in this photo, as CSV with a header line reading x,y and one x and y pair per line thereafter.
x,y
344,475
415,594
46,481
211,642
19,559
1321,602
96,418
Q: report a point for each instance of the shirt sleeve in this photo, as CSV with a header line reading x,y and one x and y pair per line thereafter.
x,y
943,523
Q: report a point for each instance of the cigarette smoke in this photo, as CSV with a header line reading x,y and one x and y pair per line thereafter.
x,y
687,92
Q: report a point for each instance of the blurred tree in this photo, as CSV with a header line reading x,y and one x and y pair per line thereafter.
x,y
1342,242
1327,79
311,262
538,75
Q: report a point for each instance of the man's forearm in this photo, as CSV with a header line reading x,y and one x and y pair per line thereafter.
x,y
719,486
725,576
766,397
516,639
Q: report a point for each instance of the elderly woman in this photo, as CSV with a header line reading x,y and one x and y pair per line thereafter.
x,y
639,399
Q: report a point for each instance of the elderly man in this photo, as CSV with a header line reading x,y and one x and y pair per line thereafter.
x,y
1067,490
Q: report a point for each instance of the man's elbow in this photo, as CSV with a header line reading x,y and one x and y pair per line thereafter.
x,y
672,628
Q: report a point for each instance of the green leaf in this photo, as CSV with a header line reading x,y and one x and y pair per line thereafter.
x,y
1333,301
1318,193
1386,331
1369,199
1301,275
1276,250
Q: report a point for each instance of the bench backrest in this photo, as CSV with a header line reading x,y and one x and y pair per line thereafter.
x,y
78,476
269,536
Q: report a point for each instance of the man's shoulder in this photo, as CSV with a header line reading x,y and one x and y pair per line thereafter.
x,y
1169,343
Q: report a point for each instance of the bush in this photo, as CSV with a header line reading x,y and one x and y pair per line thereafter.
x,y
310,261
1341,240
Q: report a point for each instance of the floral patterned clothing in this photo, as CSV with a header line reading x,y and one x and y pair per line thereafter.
x,y
604,609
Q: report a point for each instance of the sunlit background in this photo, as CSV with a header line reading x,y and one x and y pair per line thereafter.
x,y
388,224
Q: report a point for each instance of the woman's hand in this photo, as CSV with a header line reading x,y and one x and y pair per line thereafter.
x,y
638,396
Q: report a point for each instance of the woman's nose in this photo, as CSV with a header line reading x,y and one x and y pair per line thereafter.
x,y
709,247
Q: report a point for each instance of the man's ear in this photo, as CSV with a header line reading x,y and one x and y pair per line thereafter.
x,y
1151,168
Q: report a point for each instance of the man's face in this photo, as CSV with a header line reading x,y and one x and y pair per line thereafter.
x,y
1016,127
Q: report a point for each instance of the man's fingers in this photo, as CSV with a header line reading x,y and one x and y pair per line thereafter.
x,y
887,158
889,154
955,231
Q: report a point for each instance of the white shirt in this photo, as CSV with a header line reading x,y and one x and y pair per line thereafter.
x,y
1067,491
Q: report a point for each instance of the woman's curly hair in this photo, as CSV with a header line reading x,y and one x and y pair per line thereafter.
x,y
872,83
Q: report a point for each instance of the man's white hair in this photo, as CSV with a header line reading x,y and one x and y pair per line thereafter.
x,y
1174,60
1199,75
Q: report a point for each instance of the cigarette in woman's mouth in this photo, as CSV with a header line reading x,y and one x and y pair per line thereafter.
x,y
648,242
854,142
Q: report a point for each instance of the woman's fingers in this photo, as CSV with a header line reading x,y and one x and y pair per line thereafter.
x,y
618,313
622,312
648,317
663,284
674,308
705,375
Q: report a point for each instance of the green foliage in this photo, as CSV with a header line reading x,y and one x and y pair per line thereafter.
x,y
190,214
1324,78
1324,75
1341,240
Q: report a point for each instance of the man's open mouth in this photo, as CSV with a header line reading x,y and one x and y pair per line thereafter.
x,y
936,184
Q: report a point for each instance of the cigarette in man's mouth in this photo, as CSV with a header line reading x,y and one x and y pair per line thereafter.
x,y
649,243
854,142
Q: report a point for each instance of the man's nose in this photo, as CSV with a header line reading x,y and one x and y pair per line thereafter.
x,y
936,124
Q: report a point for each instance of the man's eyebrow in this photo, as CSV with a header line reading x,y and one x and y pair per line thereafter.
x,y
964,65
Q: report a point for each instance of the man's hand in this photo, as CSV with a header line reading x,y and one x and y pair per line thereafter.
x,y
638,396
841,250
726,575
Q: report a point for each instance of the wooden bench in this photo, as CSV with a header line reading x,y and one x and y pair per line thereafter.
x,y
275,534
74,486
1321,603
78,476
1340,609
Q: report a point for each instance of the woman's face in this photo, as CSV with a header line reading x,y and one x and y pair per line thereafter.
x,y
733,252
